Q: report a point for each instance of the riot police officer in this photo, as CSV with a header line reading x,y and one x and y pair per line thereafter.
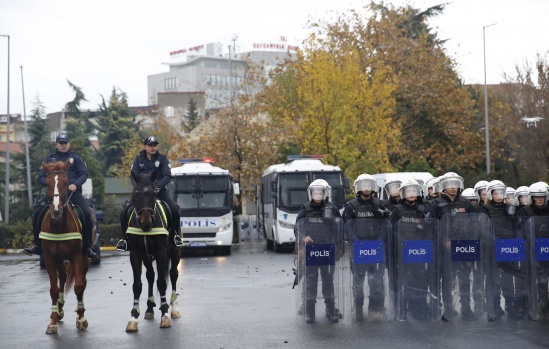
x,y
506,280
392,187
430,189
319,205
480,190
409,209
366,206
469,194
521,196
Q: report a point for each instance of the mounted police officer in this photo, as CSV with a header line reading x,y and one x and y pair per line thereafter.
x,y
149,160
77,175
319,206
366,206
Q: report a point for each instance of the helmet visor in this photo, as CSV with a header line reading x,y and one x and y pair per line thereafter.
x,y
392,188
452,183
366,184
317,194
411,190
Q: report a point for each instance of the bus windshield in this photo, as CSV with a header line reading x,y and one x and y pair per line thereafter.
x,y
293,188
196,192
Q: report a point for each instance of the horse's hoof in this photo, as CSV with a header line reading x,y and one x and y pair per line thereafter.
x,y
132,326
82,324
165,323
149,315
52,329
176,314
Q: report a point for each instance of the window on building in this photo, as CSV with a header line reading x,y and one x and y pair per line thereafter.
x,y
170,83
169,112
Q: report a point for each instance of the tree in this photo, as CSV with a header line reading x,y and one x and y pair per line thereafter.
x,y
117,125
79,129
193,118
337,101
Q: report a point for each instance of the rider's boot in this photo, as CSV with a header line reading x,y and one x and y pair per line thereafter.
x,y
87,249
36,248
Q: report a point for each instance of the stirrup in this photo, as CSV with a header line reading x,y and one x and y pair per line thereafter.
x,y
121,245
177,240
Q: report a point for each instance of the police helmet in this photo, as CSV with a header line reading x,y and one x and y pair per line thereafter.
x,y
481,185
510,195
429,184
522,192
469,194
436,185
451,180
538,189
410,187
365,182
495,185
319,190
392,187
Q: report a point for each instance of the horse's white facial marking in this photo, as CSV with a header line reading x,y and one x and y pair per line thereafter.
x,y
56,194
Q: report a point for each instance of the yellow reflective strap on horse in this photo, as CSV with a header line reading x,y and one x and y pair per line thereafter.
x,y
154,231
60,237
55,309
131,214
164,219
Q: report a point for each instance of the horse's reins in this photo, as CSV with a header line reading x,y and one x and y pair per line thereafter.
x,y
54,195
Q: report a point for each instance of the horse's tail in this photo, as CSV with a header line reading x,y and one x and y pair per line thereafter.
x,y
70,276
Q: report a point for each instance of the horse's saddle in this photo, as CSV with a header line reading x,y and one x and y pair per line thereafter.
x,y
163,213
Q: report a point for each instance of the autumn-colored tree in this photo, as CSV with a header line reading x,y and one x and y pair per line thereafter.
x,y
239,136
337,101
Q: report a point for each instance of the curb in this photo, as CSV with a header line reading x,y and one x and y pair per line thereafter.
x,y
15,250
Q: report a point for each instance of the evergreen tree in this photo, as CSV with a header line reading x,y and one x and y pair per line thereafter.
x,y
40,145
117,125
193,118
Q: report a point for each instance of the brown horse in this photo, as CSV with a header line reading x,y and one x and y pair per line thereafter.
x,y
61,241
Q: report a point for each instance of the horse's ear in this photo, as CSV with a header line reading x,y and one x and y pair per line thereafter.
x,y
134,177
66,165
153,176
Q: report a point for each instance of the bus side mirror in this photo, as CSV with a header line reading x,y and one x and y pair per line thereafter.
x,y
347,185
273,189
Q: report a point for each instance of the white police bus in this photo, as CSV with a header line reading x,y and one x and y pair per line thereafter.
x,y
284,191
204,194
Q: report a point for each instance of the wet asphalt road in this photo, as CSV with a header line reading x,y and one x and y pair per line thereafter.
x,y
241,301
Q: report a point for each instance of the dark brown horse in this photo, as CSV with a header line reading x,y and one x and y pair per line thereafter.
x,y
61,241
147,237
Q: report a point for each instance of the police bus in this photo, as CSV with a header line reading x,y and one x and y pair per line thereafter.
x,y
204,194
284,191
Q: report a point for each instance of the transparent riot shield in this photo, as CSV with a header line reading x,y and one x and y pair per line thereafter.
x,y
417,269
371,256
509,269
538,254
319,263
465,254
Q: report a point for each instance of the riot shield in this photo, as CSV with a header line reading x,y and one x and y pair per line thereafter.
x,y
465,253
319,261
417,262
371,257
538,254
509,269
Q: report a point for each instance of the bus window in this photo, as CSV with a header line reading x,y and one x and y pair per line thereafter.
x,y
293,189
185,182
186,201
215,182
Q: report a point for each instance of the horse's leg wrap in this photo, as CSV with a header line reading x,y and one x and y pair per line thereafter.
x,y
135,313
150,302
79,306
164,308
61,298
174,297
55,309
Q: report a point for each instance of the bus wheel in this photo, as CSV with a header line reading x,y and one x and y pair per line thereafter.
x,y
269,244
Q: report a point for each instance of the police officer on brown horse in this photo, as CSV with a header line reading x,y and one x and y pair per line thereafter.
x,y
77,175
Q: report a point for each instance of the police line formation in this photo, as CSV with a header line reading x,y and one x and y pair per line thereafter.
x,y
430,251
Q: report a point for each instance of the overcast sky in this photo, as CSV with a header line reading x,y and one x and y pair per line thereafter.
x,y
101,44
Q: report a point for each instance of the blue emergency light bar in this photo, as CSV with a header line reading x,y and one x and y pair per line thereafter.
x,y
297,157
189,160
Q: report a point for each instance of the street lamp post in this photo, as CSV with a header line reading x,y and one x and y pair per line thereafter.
x,y
486,129
29,183
7,184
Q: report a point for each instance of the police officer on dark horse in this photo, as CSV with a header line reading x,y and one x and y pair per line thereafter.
x,y
77,174
150,160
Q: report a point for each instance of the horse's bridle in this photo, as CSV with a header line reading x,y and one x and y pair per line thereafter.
x,y
66,202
